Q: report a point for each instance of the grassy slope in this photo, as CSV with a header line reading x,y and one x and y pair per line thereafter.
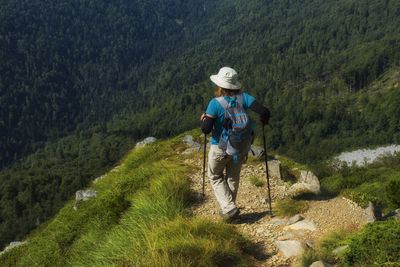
x,y
140,218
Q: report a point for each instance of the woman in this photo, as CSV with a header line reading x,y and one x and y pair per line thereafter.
x,y
226,186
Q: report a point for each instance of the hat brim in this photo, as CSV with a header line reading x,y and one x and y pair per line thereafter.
x,y
223,84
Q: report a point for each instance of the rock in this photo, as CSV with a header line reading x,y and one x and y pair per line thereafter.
x,y
208,138
256,151
13,245
194,146
286,237
309,178
274,168
85,195
100,178
372,213
290,248
339,249
320,264
310,244
278,221
308,182
301,225
295,219
82,195
146,141
301,188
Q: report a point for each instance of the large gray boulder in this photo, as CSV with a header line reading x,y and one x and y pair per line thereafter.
x,y
274,168
372,213
307,182
278,221
290,248
300,188
85,195
82,195
301,225
256,151
146,141
295,219
309,178
194,146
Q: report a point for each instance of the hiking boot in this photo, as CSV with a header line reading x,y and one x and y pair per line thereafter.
x,y
230,215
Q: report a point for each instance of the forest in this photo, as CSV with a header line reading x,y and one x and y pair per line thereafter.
x,y
82,81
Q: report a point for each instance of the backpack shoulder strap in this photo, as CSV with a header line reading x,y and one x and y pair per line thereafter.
x,y
223,102
239,100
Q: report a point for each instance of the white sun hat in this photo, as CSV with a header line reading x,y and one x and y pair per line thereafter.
x,y
227,79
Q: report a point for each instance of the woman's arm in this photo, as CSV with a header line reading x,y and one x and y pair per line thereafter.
x,y
261,110
207,123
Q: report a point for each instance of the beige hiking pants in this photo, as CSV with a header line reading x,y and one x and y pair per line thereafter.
x,y
225,186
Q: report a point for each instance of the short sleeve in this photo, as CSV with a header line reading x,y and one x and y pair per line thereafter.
x,y
212,108
247,100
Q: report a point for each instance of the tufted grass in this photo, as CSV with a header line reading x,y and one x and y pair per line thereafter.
x,y
141,217
290,207
256,181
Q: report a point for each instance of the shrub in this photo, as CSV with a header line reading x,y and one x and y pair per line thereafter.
x,y
392,191
308,257
377,245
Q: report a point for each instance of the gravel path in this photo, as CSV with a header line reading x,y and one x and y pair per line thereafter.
x,y
256,223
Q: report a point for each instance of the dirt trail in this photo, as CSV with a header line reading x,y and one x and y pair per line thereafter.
x,y
255,222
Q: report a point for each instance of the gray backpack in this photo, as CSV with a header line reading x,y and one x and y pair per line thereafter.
x,y
237,129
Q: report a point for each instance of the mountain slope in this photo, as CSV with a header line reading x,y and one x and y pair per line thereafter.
x,y
140,217
82,81
148,212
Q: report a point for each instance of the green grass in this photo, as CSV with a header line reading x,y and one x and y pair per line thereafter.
x,y
141,217
308,258
256,181
363,185
376,244
291,164
290,207
324,250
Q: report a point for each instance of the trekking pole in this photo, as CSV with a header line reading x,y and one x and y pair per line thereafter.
x,y
266,166
204,161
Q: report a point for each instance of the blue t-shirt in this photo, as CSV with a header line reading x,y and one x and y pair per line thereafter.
x,y
216,110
